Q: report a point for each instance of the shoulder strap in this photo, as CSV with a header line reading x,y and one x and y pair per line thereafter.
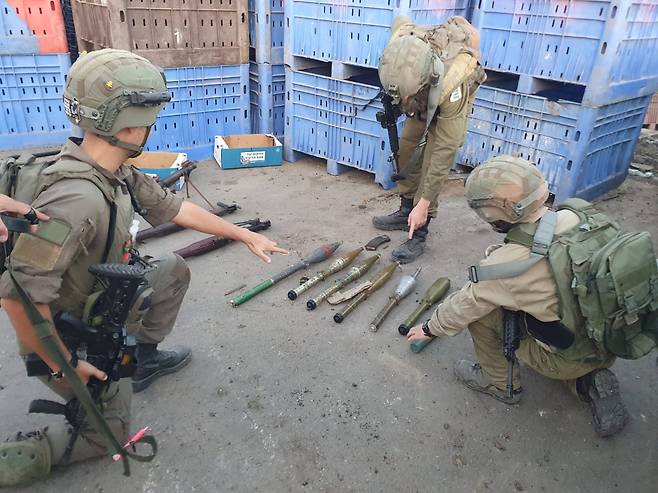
x,y
541,243
44,331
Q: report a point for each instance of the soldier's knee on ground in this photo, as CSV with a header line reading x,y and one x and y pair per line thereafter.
x,y
25,460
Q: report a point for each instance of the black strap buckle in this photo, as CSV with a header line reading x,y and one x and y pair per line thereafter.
x,y
473,274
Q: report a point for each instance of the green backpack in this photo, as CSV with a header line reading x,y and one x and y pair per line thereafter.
x,y
607,280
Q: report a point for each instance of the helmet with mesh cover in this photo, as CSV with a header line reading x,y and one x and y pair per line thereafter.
x,y
508,189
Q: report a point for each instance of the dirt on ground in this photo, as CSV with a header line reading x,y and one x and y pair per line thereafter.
x,y
281,399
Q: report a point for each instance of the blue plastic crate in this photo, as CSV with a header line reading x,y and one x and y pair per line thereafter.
x,y
608,46
267,86
355,31
32,26
582,151
266,20
335,120
432,12
15,35
206,101
31,88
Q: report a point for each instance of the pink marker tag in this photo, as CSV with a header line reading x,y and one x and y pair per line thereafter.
x,y
136,437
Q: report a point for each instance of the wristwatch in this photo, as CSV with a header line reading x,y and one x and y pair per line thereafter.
x,y
58,375
426,329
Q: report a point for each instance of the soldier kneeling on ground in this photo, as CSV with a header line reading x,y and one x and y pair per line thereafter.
x,y
90,197
584,293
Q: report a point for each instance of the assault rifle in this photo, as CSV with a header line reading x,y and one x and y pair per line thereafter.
x,y
511,342
388,119
106,344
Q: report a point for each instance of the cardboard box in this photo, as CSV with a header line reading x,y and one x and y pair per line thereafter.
x,y
248,151
160,164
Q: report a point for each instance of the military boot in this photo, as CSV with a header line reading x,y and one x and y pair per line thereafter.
x,y
600,389
24,460
411,249
396,220
472,375
152,363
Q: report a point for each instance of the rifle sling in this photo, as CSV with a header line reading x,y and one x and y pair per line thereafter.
x,y
45,333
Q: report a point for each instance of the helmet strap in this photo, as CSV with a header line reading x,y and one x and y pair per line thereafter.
x,y
136,149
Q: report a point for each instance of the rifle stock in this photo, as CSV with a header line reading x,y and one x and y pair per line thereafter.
x,y
186,168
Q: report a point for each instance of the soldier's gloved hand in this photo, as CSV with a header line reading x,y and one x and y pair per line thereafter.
x,y
7,204
418,216
492,248
416,334
260,246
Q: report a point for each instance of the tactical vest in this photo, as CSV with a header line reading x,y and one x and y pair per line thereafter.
x,y
24,179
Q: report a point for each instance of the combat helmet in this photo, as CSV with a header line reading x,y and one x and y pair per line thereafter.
x,y
507,189
409,65
109,90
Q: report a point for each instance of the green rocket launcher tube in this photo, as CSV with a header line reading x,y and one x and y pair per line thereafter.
x,y
381,278
318,255
354,273
336,266
437,291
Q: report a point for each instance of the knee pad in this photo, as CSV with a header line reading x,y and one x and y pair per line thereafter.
x,y
24,460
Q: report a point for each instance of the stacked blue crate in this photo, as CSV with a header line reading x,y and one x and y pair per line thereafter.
x,y
266,31
31,88
582,151
607,48
205,101
569,84
335,120
267,84
33,67
336,46
267,72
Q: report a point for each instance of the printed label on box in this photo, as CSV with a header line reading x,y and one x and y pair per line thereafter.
x,y
251,157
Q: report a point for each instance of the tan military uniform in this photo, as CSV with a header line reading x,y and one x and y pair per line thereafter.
x,y
445,137
54,270
478,308
457,43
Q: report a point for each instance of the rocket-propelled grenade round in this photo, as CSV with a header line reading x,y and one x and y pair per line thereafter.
x,y
381,278
354,273
437,291
403,289
318,255
336,266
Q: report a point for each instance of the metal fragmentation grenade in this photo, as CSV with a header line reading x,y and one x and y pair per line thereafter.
x,y
336,266
403,289
318,255
355,273
381,278
437,291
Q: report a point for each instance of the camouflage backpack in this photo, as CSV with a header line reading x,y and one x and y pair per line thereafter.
x,y
607,280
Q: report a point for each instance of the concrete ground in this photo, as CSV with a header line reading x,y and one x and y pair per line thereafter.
x,y
280,399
